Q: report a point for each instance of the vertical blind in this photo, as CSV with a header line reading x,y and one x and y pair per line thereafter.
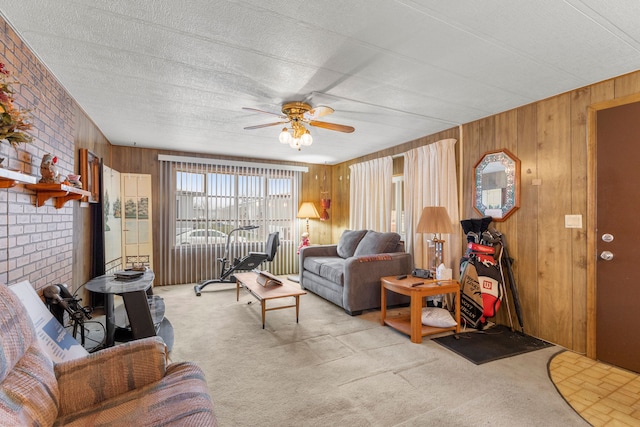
x,y
203,202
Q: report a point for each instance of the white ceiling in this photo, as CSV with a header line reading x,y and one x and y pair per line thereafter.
x,y
175,74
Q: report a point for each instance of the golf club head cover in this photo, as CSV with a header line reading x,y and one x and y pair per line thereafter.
x,y
489,283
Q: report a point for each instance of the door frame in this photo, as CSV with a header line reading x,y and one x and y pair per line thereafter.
x,y
592,256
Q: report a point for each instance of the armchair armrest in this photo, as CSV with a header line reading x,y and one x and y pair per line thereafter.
x,y
110,372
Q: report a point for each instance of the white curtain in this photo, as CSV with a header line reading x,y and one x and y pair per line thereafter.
x,y
370,195
430,180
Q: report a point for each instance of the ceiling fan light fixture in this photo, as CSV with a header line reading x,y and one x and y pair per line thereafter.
x,y
285,137
297,114
295,143
306,138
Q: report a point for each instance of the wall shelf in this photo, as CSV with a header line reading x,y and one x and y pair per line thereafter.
x,y
60,192
9,178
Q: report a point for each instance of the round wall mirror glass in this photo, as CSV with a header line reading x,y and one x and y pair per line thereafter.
x,y
497,184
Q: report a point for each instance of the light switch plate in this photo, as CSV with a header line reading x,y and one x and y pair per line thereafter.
x,y
573,221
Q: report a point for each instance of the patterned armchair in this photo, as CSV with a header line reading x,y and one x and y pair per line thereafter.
x,y
130,384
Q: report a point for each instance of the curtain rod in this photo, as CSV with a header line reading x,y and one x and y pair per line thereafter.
x,y
221,162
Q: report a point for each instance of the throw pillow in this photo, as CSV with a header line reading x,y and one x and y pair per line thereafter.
x,y
437,317
377,243
349,242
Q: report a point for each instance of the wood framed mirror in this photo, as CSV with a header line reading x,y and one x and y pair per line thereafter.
x,y
497,184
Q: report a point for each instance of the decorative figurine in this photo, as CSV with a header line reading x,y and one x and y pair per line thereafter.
x,y
304,242
74,180
49,170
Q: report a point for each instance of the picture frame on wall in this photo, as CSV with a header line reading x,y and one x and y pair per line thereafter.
x,y
89,175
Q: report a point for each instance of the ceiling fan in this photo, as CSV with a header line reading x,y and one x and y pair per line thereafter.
x,y
297,114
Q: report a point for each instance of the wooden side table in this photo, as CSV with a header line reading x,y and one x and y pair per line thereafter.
x,y
411,324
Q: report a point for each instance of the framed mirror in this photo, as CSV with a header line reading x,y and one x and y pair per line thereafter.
x,y
497,184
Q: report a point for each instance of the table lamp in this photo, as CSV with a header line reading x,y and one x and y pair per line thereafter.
x,y
435,219
308,210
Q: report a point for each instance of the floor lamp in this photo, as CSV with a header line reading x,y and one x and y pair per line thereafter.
x,y
435,219
307,211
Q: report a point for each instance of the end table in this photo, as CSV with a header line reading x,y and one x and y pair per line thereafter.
x,y
411,324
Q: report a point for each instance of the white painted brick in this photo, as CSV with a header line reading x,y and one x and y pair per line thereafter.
x,y
15,274
15,251
15,209
22,240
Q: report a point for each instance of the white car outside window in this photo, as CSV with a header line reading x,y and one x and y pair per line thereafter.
x,y
201,237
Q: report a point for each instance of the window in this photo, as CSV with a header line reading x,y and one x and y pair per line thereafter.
x,y
203,203
209,205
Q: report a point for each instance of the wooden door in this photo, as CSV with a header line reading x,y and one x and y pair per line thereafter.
x,y
617,234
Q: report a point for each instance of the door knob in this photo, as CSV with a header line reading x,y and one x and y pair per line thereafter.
x,y
606,255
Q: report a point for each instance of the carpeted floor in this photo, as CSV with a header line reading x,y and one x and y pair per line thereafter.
x,y
334,369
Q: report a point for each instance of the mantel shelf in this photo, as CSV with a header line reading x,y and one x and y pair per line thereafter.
x,y
9,178
61,192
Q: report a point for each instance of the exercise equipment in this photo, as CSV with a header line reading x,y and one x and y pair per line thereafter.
x,y
249,262
58,300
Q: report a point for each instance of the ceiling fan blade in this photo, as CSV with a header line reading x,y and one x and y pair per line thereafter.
x,y
317,112
264,112
332,126
265,125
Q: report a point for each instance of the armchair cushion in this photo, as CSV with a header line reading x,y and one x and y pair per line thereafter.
x,y
375,242
108,373
130,384
349,242
28,390
180,399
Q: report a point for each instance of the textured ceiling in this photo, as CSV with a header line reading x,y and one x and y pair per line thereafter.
x,y
176,74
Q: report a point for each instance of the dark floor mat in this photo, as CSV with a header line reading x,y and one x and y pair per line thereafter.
x,y
491,344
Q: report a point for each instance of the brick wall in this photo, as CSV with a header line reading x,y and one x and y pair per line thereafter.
x,y
36,244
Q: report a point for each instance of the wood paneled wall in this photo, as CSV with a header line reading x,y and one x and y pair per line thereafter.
x,y
550,139
87,135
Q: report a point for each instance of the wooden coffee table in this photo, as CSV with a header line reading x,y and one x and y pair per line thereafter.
x,y
264,293
412,323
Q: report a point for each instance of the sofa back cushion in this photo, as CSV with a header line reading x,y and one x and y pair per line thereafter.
x,y
375,242
29,392
349,242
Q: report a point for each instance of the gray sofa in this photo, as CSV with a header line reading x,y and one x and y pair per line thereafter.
x,y
348,273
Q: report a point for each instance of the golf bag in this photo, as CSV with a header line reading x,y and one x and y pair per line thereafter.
x,y
481,277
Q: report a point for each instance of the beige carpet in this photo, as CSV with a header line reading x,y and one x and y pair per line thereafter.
x,y
332,369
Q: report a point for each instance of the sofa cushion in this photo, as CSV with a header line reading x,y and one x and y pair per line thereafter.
x,y
333,271
316,265
377,243
349,242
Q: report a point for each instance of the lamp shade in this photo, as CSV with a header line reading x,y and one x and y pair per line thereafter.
x,y
308,210
435,219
